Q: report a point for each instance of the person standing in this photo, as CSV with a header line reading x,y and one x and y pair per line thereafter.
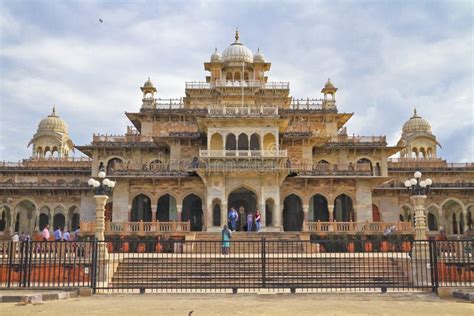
x,y
45,233
226,236
58,236
258,219
249,221
66,235
233,217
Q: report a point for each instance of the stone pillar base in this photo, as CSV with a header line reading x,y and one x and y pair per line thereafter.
x,y
421,268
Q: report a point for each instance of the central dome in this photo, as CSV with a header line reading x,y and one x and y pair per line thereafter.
x,y
52,123
237,51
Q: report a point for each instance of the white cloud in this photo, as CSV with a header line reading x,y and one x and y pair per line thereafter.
x,y
384,59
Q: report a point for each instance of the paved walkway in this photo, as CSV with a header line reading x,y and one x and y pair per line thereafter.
x,y
247,304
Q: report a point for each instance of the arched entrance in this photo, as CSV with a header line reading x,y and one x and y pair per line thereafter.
x,y
43,221
166,209
25,218
432,222
5,219
141,209
454,218
343,210
192,211
318,208
293,215
75,220
59,221
243,201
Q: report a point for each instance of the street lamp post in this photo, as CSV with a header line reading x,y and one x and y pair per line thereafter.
x,y
102,189
418,190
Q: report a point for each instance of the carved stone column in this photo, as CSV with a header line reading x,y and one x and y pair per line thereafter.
x,y
179,211
305,217
331,212
223,214
420,217
100,201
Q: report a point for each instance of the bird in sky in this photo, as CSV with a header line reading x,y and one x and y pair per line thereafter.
x,y
101,21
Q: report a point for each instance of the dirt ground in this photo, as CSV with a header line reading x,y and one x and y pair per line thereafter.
x,y
246,304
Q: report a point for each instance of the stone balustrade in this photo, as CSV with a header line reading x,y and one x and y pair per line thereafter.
x,y
137,228
357,227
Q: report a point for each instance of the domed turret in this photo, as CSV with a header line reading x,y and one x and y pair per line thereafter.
x,y
216,57
52,123
417,139
237,51
416,124
51,138
258,57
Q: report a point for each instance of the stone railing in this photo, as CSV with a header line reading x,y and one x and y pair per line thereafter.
x,y
346,139
65,162
306,104
242,110
242,153
137,228
432,163
334,169
197,85
357,227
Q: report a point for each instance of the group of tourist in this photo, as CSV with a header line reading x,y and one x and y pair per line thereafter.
x,y
233,218
251,219
60,234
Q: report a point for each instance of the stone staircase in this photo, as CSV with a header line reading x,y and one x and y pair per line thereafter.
x,y
249,242
190,271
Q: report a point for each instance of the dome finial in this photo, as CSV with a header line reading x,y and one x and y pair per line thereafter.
x,y
54,111
237,35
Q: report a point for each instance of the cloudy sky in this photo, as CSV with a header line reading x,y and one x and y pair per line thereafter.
x,y
384,56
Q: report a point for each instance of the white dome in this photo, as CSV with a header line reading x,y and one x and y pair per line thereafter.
x,y
258,57
216,57
416,124
52,123
237,52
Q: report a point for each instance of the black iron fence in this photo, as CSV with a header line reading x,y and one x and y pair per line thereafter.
x,y
176,265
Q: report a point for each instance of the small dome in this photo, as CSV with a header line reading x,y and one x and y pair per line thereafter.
x,y
329,84
216,57
52,123
416,124
258,57
237,51
148,83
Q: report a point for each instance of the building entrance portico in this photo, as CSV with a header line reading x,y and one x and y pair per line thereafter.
x,y
244,201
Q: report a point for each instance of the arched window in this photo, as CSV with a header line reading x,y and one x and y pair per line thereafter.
x,y
59,221
192,211
243,142
166,209
237,76
254,142
343,210
376,214
432,222
113,164
230,142
228,76
319,208
293,213
141,209
364,164
216,142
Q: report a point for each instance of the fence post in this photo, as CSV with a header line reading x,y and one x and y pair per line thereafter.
x,y
434,266
263,254
94,266
11,254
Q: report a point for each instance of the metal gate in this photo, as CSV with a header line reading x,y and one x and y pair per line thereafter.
x,y
133,265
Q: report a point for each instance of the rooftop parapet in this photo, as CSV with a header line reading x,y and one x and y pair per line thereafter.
x,y
357,140
45,163
427,163
199,85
